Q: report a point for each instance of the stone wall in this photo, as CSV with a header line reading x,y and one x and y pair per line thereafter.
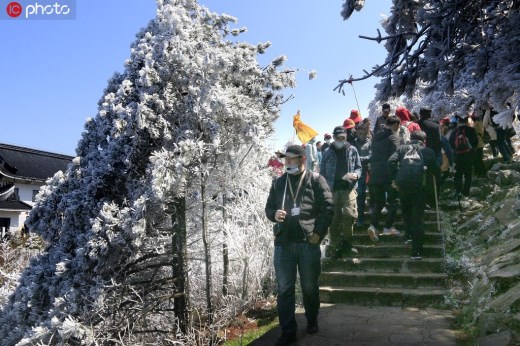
x,y
483,256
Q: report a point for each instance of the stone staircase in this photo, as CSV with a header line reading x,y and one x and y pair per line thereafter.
x,y
383,274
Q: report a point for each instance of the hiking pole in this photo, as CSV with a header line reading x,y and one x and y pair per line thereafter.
x,y
438,216
284,191
283,201
436,203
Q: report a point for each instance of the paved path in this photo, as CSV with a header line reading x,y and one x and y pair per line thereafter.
x,y
374,326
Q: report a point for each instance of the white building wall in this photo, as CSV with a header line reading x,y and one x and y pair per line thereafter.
x,y
15,217
25,192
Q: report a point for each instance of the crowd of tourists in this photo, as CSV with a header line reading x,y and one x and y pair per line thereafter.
x,y
457,143
326,188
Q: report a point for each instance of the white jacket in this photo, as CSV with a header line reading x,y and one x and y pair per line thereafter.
x,y
488,125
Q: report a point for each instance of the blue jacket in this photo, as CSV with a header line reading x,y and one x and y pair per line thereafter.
x,y
328,165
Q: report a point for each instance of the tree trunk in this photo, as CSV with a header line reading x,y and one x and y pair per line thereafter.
x,y
207,254
245,277
179,262
225,250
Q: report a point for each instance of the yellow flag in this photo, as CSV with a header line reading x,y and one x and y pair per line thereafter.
x,y
304,132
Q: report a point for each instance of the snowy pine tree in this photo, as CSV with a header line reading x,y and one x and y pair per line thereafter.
x,y
450,55
168,141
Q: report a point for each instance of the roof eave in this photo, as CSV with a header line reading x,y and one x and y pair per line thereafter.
x,y
16,178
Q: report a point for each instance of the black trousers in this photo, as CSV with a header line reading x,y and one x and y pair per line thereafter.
x,y
480,168
501,143
383,194
494,147
463,171
412,205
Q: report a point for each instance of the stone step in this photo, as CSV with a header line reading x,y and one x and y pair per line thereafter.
x,y
385,250
429,214
430,238
383,296
382,273
429,226
450,208
384,280
388,265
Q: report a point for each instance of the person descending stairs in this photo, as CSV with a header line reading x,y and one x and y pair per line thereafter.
x,y
383,272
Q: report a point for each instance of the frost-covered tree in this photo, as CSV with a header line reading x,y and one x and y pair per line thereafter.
x,y
15,254
240,235
178,131
449,54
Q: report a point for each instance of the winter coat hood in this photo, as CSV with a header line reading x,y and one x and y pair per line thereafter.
x,y
403,114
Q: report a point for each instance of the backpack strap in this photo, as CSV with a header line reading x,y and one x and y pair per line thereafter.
x,y
401,154
417,147
411,147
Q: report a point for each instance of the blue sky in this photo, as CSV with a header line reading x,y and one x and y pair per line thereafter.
x,y
55,71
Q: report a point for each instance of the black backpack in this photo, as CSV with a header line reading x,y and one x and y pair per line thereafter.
x,y
411,168
462,144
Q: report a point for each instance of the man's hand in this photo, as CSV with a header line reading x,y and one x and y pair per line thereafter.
x,y
314,238
279,216
350,177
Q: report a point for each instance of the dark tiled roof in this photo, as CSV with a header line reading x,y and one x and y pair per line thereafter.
x,y
14,205
32,164
6,189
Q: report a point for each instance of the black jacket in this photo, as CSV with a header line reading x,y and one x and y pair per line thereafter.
x,y
380,123
433,135
316,206
471,135
384,144
428,156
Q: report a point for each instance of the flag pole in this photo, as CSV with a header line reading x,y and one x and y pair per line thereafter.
x,y
295,132
355,96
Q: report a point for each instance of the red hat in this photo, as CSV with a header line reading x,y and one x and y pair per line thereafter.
x,y
445,121
355,116
403,113
349,123
327,136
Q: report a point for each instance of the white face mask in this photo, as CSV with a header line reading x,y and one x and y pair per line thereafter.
x,y
327,141
292,169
